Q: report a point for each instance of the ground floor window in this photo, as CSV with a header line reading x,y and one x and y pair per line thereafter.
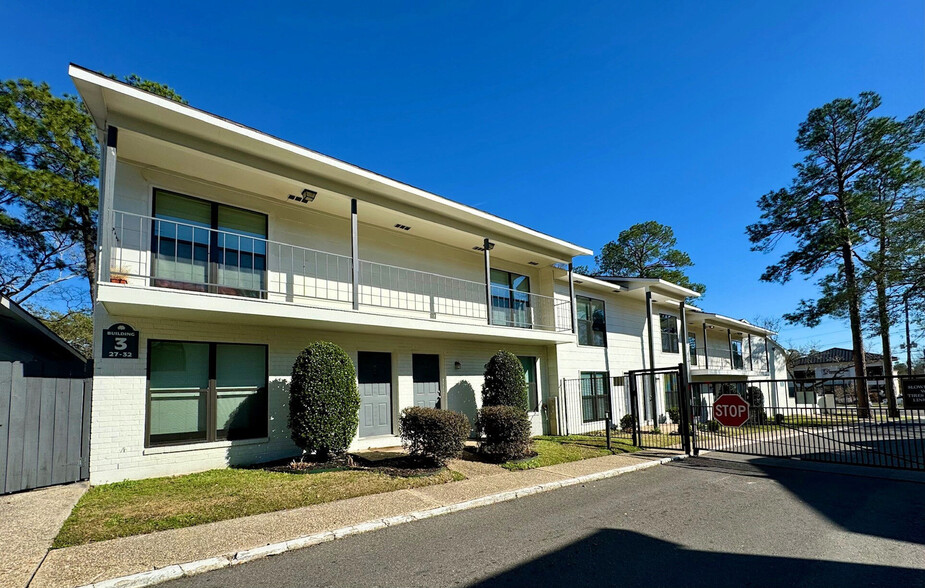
x,y
205,392
595,396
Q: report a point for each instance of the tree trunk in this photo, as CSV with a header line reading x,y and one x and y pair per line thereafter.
x,y
88,241
884,318
857,337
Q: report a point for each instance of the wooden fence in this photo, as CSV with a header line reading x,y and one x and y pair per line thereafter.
x,y
44,429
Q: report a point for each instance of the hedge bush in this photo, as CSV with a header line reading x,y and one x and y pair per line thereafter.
x,y
506,431
505,384
627,423
675,415
438,435
324,403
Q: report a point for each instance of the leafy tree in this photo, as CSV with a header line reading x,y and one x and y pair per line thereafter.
x,y
896,228
75,327
824,211
647,250
49,169
505,383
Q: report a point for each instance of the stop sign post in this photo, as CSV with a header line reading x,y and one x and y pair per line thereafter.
x,y
730,410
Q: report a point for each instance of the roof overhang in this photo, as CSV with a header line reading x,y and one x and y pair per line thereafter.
x,y
15,312
699,317
113,102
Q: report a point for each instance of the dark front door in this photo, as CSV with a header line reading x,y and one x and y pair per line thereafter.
x,y
374,373
425,370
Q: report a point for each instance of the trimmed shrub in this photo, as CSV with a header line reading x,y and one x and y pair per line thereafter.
x,y
675,415
627,423
324,403
507,432
711,426
778,419
505,384
438,435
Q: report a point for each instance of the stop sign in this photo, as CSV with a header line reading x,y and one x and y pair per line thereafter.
x,y
730,410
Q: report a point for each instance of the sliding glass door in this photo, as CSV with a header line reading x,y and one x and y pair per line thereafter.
x,y
510,299
208,247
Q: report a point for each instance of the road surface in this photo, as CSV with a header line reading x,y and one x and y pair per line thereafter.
x,y
700,522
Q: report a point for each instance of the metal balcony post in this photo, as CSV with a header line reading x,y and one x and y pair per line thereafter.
x,y
355,254
706,347
107,194
732,361
486,246
751,359
651,356
571,296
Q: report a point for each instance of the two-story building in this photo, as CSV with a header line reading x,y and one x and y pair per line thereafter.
x,y
629,324
224,251
228,250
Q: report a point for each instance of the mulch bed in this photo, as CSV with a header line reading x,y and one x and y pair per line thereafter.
x,y
401,465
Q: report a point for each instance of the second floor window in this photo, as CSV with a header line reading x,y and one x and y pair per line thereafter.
x,y
510,299
737,358
692,344
669,326
208,247
592,321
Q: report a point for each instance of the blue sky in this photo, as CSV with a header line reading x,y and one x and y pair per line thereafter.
x,y
575,119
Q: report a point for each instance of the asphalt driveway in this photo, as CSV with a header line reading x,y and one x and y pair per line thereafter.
x,y
700,522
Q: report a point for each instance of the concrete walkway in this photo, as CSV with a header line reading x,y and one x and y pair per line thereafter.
x,y
96,562
29,522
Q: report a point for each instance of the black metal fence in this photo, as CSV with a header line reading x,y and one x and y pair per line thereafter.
x,y
844,420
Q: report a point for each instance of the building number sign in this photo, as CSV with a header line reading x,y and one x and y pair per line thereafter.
x,y
120,341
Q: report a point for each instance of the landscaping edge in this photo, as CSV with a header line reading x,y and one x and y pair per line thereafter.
x,y
172,572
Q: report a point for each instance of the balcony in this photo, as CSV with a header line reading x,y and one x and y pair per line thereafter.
x,y
717,361
165,255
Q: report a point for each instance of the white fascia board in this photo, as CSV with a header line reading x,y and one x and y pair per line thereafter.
x,y
90,85
588,282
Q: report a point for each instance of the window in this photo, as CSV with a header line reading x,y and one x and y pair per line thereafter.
x,y
669,326
533,393
206,392
592,321
510,299
672,392
208,247
595,396
692,345
737,361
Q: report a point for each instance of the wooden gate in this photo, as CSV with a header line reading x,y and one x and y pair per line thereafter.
x,y
44,429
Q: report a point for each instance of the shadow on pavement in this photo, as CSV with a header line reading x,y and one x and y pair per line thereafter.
x,y
872,506
612,557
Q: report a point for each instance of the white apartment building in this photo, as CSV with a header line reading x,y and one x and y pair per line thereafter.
x,y
225,251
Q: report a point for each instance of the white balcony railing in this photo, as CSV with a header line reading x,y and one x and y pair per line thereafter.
x,y
717,358
155,252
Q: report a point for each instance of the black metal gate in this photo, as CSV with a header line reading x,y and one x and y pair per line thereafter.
x,y
659,408
824,420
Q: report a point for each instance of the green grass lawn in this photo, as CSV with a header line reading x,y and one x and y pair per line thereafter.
x,y
554,450
155,504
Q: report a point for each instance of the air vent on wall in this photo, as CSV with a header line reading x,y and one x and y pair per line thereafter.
x,y
477,248
402,227
533,262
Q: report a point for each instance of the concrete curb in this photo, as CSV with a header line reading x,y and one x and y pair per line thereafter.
x,y
192,568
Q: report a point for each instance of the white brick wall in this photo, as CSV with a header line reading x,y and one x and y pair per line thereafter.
x,y
118,414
